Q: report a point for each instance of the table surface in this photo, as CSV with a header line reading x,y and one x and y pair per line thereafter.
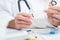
x,y
20,34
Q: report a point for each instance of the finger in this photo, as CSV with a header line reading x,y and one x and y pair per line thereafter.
x,y
53,18
23,22
18,26
55,8
22,25
21,18
20,15
53,21
57,16
26,15
51,11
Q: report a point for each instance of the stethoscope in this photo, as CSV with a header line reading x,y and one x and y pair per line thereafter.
x,y
53,2
28,6
19,8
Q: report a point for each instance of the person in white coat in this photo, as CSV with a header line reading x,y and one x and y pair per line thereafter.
x,y
41,9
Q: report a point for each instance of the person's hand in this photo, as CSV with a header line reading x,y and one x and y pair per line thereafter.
x,y
53,13
23,20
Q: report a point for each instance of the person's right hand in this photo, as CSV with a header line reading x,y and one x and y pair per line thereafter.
x,y
23,20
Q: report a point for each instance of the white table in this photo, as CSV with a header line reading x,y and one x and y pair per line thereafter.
x,y
22,35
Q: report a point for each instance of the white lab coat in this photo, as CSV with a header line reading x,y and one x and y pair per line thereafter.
x,y
9,8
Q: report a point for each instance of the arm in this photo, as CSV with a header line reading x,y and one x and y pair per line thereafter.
x,y
5,15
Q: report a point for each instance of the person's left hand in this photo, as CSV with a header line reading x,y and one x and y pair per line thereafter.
x,y
53,13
